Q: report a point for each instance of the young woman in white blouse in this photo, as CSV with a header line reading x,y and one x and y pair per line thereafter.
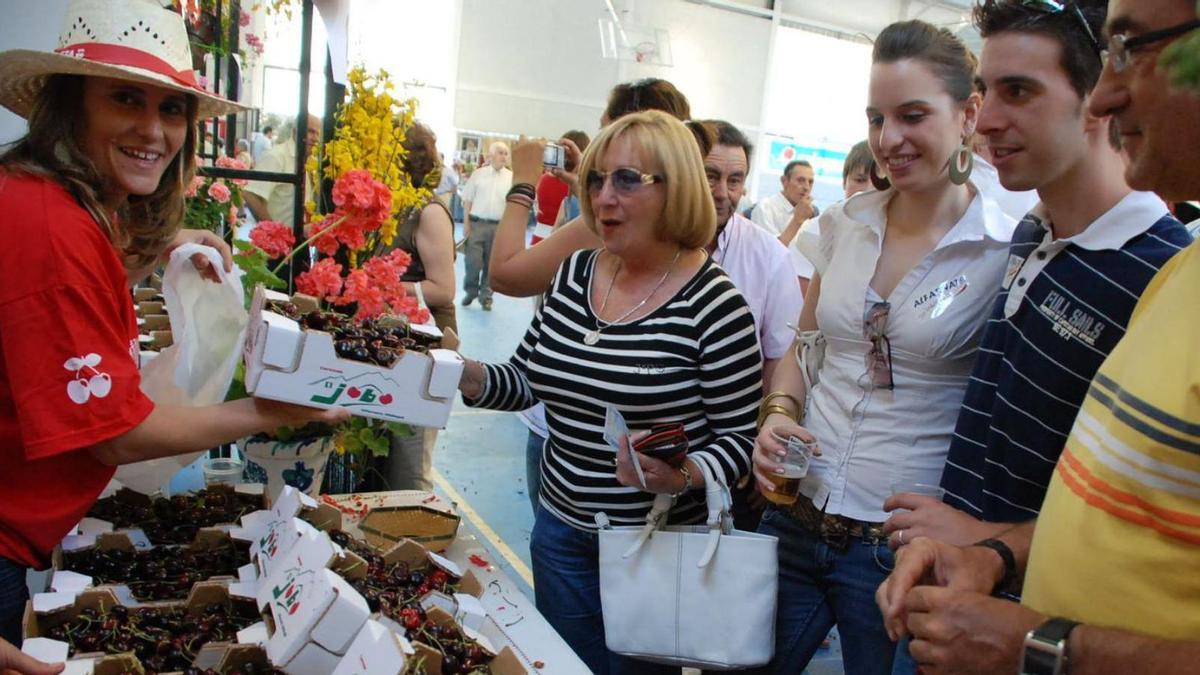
x,y
912,268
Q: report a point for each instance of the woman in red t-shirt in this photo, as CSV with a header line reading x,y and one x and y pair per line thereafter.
x,y
90,198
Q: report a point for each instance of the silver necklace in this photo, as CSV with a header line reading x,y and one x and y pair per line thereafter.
x,y
593,336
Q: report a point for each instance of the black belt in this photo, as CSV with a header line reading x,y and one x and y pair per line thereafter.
x,y
484,220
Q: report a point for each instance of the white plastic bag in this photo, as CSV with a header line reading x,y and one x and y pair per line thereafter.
x,y
208,325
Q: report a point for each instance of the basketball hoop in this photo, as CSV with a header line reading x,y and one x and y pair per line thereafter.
x,y
641,44
643,51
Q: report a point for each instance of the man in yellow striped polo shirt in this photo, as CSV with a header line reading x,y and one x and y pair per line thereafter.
x,y
1111,567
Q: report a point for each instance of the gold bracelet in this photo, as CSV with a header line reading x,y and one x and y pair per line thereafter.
x,y
687,481
771,409
781,394
783,410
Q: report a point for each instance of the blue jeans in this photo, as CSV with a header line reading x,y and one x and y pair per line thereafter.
x,y
13,594
534,448
566,585
820,586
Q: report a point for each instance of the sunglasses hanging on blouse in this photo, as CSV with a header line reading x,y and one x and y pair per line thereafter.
x,y
879,356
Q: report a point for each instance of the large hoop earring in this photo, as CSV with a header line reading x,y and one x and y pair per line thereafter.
x,y
961,162
880,182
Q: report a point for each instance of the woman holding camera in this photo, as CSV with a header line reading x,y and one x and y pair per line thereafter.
x,y
91,197
912,268
523,272
648,325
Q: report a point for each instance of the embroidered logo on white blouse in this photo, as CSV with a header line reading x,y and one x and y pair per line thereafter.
x,y
88,381
933,304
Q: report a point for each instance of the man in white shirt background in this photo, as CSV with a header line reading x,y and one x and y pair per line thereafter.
x,y
774,213
756,262
276,201
483,204
261,142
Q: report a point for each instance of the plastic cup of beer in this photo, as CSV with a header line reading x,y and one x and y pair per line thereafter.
x,y
793,466
902,486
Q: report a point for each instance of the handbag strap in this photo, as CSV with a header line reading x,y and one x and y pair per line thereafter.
x,y
720,514
654,520
720,510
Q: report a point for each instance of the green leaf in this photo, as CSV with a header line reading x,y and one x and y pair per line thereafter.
x,y
254,262
380,445
399,429
237,388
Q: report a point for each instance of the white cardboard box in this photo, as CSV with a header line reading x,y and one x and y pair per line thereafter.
x,y
285,362
312,617
376,651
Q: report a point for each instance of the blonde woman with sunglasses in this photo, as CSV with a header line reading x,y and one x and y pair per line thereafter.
x,y
646,324
912,267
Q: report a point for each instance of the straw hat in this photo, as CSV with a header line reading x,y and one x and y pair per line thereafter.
x,y
136,40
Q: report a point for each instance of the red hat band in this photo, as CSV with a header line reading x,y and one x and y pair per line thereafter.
x,y
120,55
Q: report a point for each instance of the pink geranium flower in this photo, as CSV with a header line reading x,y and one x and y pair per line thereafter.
x,y
194,187
219,191
359,289
323,280
274,238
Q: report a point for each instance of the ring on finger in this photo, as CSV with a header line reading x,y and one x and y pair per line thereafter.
x,y
900,536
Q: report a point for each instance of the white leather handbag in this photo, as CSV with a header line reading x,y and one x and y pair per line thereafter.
x,y
696,596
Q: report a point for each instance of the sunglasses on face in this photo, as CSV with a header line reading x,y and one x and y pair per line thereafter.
x,y
1052,7
1121,49
879,356
625,181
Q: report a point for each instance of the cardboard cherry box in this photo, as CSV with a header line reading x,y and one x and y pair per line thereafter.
x,y
45,611
67,576
377,650
286,362
312,616
272,533
127,501
462,610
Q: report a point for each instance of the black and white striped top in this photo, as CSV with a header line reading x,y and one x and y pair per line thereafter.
x,y
694,360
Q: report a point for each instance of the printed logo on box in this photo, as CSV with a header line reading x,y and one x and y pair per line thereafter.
x,y
340,391
270,543
287,598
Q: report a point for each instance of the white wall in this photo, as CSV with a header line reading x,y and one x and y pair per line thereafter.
x,y
422,57
531,67
720,58
535,66
26,25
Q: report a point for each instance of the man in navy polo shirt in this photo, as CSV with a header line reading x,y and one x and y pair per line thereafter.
x,y
1078,263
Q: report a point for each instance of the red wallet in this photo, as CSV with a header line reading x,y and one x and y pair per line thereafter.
x,y
667,442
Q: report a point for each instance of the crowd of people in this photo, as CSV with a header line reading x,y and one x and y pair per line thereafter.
x,y
984,345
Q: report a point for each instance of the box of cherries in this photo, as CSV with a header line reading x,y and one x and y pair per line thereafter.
x,y
96,632
383,369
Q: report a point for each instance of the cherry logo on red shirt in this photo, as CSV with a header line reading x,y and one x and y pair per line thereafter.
x,y
88,381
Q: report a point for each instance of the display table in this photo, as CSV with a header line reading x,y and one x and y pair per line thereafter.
x,y
513,620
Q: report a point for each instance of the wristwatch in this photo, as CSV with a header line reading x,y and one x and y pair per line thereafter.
x,y
1045,650
1009,579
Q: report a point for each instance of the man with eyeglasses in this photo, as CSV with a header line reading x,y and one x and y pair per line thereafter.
x,y
757,263
754,259
1107,572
